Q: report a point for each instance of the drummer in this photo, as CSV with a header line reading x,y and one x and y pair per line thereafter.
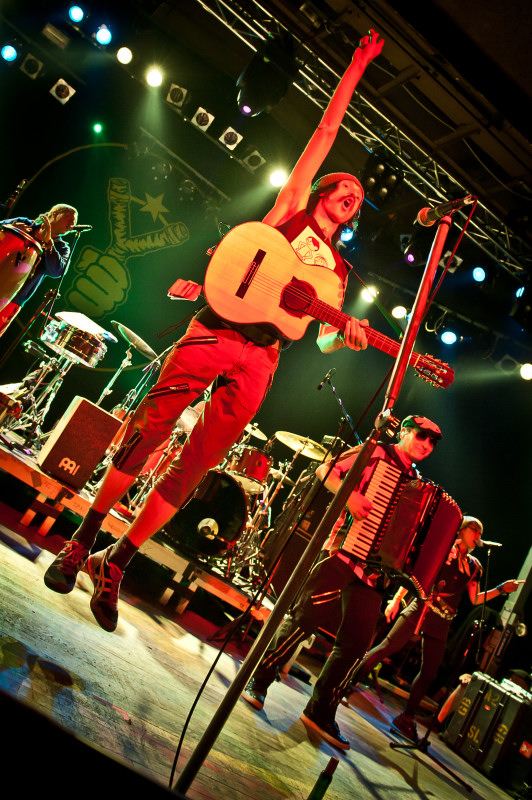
x,y
46,230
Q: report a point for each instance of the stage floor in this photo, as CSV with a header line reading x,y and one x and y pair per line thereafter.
x,y
128,694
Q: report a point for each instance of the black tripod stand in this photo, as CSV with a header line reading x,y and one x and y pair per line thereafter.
x,y
423,746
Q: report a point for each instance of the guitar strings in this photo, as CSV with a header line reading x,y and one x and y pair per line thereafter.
x,y
327,313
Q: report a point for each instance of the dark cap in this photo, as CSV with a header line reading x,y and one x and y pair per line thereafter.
x,y
422,424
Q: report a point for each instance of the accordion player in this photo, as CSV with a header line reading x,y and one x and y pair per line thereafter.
x,y
410,529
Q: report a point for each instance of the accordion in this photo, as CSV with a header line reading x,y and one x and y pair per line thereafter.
x,y
410,530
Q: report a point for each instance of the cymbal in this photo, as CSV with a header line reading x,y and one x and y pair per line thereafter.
x,y
276,474
302,444
134,340
254,431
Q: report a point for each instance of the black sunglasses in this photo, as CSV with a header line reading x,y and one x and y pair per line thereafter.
x,y
424,435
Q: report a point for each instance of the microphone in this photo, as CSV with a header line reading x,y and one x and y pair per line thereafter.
x,y
428,216
485,543
326,379
81,228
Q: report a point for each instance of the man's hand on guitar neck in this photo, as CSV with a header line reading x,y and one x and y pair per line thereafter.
x,y
353,336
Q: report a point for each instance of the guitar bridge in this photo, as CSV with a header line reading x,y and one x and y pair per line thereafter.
x,y
250,274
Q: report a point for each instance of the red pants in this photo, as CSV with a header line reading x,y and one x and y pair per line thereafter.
x,y
201,356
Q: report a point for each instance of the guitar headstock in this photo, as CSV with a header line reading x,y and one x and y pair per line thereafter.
x,y
434,371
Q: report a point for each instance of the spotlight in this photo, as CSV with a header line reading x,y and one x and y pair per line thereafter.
x,y
103,36
399,312
526,372
202,119
455,261
176,95
278,178
62,91
507,364
31,66
154,77
124,55
369,293
9,52
76,14
254,160
97,127
449,337
380,177
479,274
230,138
520,291
268,76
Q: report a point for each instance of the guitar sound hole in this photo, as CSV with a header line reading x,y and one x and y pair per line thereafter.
x,y
297,297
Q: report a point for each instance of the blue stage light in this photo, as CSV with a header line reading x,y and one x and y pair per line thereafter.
x,y
103,35
449,337
9,52
479,274
76,13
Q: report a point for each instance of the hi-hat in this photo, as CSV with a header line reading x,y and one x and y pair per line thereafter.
x,y
302,444
254,431
134,340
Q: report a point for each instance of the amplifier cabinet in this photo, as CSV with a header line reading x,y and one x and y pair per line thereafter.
x,y
492,729
78,442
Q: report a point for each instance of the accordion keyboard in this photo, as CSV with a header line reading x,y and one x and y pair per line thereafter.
x,y
383,489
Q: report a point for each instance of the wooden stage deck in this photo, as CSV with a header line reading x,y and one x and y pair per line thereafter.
x,y
123,698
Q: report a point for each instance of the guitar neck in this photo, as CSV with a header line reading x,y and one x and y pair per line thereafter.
x,y
338,319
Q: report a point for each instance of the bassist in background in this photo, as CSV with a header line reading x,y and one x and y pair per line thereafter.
x,y
242,358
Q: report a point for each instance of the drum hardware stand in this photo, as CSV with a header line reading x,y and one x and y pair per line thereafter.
x,y
149,481
126,362
125,406
385,424
26,328
38,404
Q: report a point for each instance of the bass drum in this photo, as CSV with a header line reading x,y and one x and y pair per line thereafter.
x,y
212,521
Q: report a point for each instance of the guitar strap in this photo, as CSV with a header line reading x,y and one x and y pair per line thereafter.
x,y
254,333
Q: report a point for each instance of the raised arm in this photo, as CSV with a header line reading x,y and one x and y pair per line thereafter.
x,y
295,193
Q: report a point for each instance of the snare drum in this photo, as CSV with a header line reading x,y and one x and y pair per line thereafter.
x,y
19,252
80,346
250,467
213,520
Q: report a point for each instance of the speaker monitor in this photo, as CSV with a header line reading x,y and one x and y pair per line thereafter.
x,y
78,442
491,729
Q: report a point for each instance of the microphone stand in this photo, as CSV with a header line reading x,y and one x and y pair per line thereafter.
x,y
385,423
345,415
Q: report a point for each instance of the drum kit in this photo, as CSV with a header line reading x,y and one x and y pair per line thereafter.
x,y
74,339
225,521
